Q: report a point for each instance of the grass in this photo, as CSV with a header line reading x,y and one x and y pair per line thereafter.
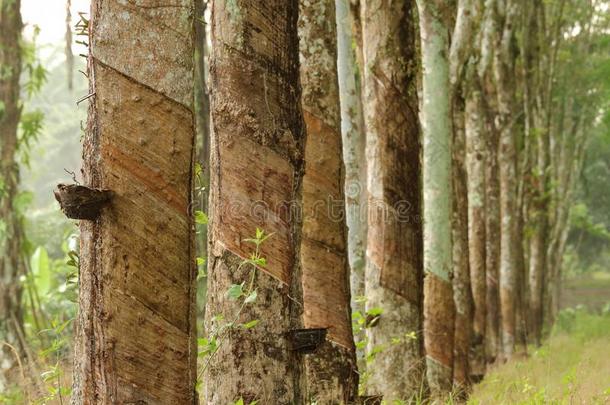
x,y
573,367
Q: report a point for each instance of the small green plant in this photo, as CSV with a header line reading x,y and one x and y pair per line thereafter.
x,y
52,376
245,293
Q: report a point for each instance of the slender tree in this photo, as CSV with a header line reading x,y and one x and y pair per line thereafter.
x,y
466,24
11,264
504,61
68,45
257,166
487,313
476,156
393,279
331,370
439,311
353,136
462,293
136,306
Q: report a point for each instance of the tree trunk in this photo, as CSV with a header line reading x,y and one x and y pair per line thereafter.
x,y
394,242
136,306
202,125
462,293
439,311
331,371
466,24
476,157
257,166
354,141
11,264
486,348
503,74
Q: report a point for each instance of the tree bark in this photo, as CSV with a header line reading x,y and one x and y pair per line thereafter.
x,y
476,158
257,164
466,24
503,74
462,293
331,371
492,247
136,306
354,142
393,279
202,125
439,311
11,264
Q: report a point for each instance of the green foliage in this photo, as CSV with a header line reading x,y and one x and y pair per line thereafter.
x,y
30,128
41,270
36,74
243,293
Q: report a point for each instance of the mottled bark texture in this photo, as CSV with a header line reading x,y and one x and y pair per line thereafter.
x,y
136,306
485,346
331,370
503,67
354,141
537,107
476,151
257,164
462,294
491,338
11,263
394,243
439,311
466,24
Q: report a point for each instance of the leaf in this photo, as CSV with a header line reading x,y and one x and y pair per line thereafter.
x,y
198,169
251,324
201,218
375,311
41,270
235,291
251,298
200,261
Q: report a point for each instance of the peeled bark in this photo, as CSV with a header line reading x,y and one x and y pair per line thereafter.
x,y
354,141
257,166
11,264
136,306
331,370
439,311
394,243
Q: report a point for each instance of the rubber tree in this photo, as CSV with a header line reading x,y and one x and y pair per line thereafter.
x,y
486,340
503,68
393,277
436,119
331,370
137,272
11,263
257,165
353,136
466,25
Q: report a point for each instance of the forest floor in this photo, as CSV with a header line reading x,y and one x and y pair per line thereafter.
x,y
572,367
